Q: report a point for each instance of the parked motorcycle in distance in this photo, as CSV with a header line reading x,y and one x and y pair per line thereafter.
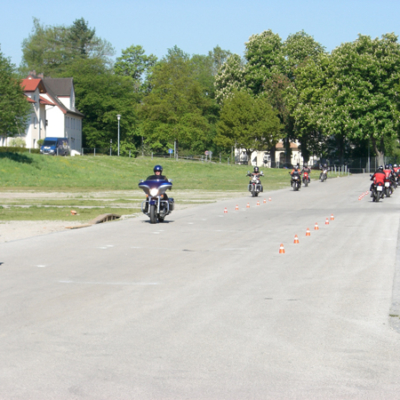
x,y
157,204
306,179
255,186
295,181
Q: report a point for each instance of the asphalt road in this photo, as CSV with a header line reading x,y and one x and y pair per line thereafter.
x,y
205,307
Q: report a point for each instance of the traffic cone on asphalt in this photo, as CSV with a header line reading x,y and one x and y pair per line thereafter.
x,y
296,239
258,203
248,205
265,200
316,227
281,249
308,233
237,208
270,199
332,217
327,221
225,211
359,198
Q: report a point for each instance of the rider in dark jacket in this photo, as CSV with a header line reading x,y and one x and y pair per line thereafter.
x,y
158,169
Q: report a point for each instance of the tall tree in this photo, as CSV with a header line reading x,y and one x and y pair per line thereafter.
x,y
248,123
49,49
354,92
178,107
14,107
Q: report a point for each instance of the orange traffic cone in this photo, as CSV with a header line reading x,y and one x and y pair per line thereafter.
x,y
308,233
258,203
237,208
327,221
359,198
296,239
225,211
270,199
316,228
248,205
265,200
281,249
332,217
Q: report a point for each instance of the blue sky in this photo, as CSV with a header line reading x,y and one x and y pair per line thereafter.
x,y
198,26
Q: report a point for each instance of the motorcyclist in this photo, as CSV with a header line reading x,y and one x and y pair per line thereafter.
x,y
158,169
295,171
158,176
306,169
323,167
378,178
256,172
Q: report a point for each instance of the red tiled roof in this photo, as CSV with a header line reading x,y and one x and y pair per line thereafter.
x,y
30,85
42,100
30,100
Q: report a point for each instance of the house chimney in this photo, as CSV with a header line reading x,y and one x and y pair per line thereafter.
x,y
40,75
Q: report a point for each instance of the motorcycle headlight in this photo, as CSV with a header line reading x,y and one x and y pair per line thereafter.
x,y
153,192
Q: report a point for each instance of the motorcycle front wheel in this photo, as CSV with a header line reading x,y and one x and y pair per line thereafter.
x,y
153,214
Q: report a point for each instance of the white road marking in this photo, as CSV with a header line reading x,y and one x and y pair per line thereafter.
x,y
41,266
105,248
111,283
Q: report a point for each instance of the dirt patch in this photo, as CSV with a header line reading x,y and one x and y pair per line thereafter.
x,y
15,230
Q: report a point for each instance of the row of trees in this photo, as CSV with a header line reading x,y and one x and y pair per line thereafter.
x,y
333,103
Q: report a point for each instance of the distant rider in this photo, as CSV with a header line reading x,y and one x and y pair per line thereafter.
x,y
378,177
295,171
306,169
323,168
158,176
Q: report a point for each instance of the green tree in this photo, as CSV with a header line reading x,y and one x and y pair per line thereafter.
x,y
248,123
50,49
14,107
101,95
178,107
353,95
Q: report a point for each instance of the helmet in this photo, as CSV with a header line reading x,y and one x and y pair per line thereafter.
x,y
325,165
380,168
256,169
297,166
387,166
394,165
158,168
305,165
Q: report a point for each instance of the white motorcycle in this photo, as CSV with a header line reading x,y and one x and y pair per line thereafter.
x,y
255,186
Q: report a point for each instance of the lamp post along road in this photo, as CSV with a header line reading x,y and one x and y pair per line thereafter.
x,y
118,117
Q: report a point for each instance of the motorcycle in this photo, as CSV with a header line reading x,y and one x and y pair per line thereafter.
x,y
388,187
295,181
377,192
155,206
255,186
306,179
324,175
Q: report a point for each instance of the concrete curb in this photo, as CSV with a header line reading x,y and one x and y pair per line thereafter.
x,y
394,313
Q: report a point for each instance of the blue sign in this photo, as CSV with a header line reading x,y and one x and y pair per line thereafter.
x,y
170,151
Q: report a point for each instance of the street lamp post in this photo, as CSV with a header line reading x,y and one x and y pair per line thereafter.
x,y
119,117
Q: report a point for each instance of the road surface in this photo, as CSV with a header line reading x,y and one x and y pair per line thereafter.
x,y
204,306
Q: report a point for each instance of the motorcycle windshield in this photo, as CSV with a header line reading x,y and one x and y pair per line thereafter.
x,y
161,185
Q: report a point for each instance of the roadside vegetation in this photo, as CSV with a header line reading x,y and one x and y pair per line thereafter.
x,y
39,187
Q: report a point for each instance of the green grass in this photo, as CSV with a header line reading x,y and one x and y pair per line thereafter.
x,y
35,213
71,174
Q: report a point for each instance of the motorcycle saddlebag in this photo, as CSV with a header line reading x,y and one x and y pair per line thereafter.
x,y
171,204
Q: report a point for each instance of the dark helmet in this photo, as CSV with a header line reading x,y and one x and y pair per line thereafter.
x,y
325,165
380,168
297,166
158,168
256,170
387,166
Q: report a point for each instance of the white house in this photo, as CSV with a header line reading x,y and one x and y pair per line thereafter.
x,y
263,158
53,112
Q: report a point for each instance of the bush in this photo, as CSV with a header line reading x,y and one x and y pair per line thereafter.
x,y
40,142
17,142
18,150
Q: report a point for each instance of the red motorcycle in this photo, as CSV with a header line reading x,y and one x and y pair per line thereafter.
x,y
306,179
